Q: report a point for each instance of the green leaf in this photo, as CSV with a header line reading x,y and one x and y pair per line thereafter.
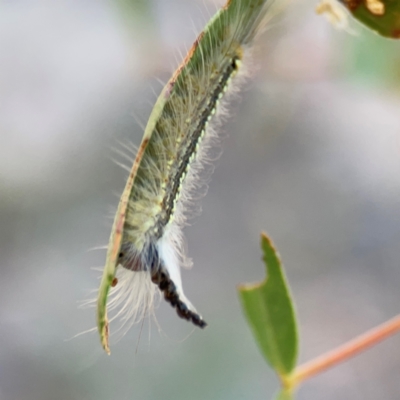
x,y
382,16
285,394
270,313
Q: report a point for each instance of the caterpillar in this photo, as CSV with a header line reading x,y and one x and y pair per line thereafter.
x,y
145,251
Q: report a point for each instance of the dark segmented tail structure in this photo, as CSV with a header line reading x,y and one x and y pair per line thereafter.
x,y
162,279
130,260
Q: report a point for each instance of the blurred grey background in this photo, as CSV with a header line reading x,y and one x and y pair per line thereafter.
x,y
312,158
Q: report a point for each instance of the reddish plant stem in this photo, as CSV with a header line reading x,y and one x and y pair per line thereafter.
x,y
343,352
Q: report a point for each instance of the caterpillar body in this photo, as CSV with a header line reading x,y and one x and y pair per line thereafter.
x,y
145,250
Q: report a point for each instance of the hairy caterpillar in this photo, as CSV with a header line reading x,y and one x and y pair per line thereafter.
x,y
145,249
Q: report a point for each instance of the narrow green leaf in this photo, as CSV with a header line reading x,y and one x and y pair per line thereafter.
x,y
270,313
285,394
382,16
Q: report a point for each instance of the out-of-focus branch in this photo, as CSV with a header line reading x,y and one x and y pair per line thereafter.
x,y
343,353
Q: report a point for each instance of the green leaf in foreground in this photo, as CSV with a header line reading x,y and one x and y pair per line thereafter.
x,y
270,313
382,16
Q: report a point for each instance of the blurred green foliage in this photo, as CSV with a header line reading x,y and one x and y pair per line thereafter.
x,y
371,60
137,14
382,16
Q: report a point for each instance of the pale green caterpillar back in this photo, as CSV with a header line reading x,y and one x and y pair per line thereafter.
x,y
145,247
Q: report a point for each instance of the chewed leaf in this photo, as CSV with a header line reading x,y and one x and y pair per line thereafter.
x,y
102,319
270,313
382,16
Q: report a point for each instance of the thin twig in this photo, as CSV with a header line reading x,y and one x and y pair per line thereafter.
x,y
343,352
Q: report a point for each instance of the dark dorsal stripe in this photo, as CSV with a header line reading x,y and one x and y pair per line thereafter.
x,y
183,163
